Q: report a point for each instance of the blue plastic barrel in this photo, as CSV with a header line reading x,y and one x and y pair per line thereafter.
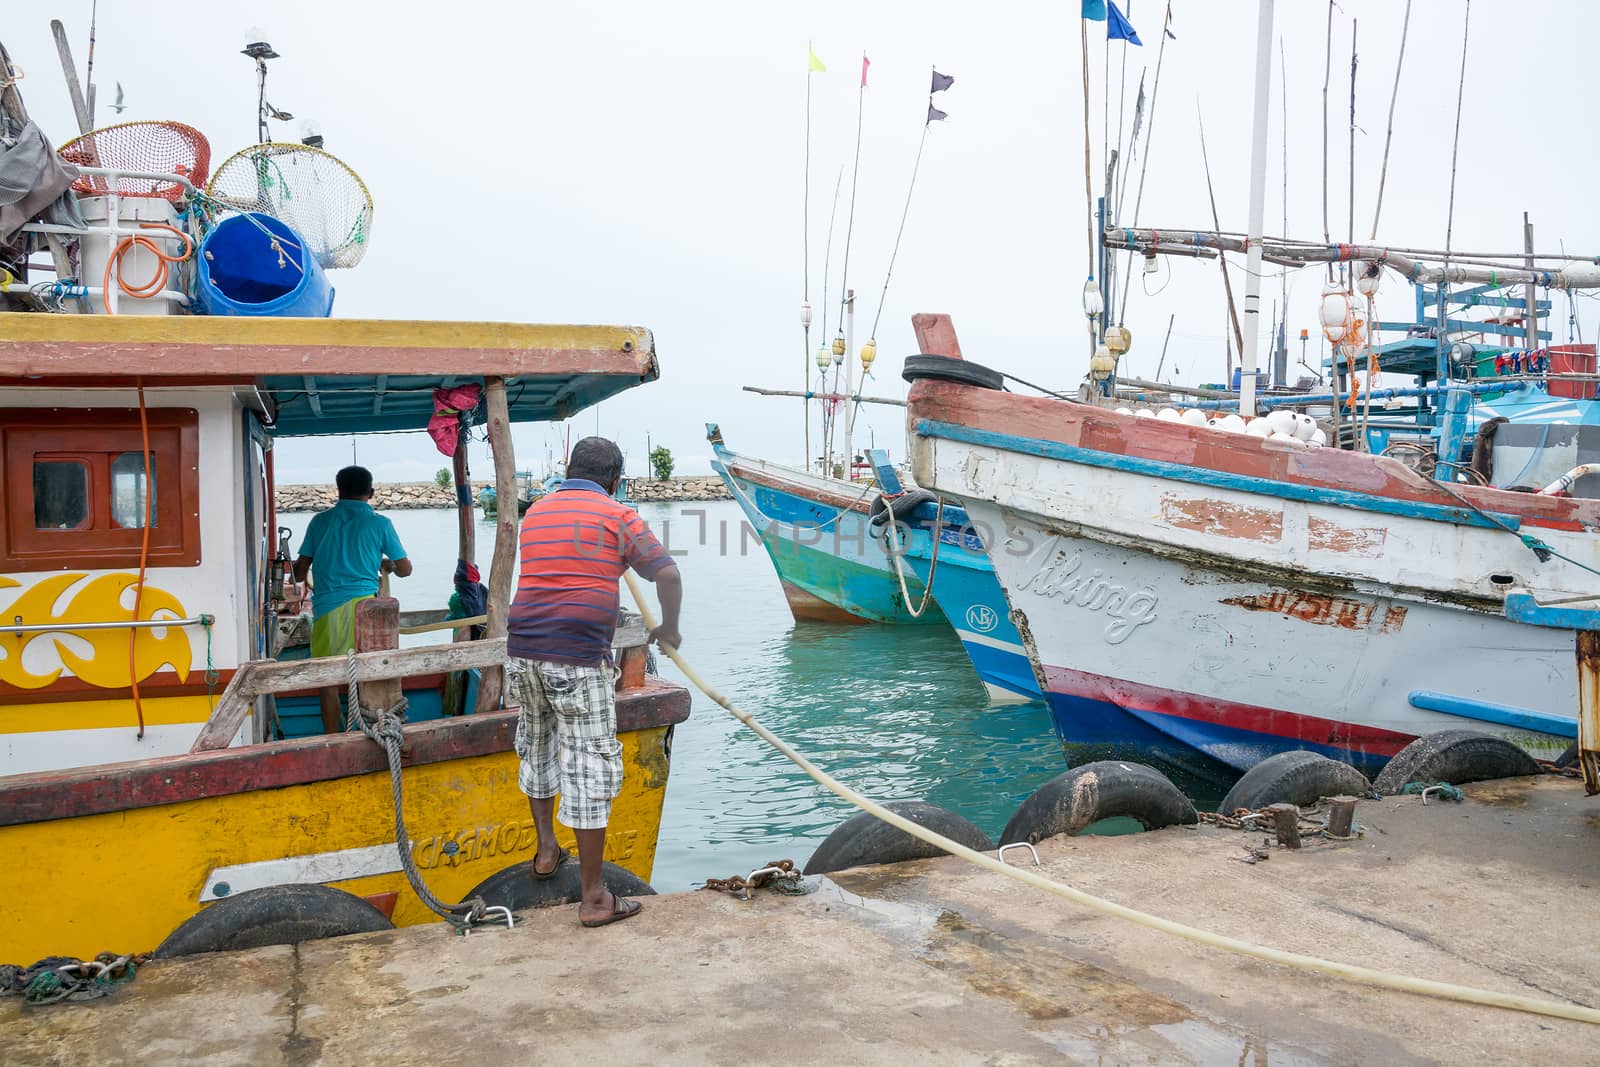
x,y
254,264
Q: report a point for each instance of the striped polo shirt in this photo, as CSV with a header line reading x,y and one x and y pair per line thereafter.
x,y
575,544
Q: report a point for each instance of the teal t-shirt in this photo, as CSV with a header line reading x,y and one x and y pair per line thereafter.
x,y
346,544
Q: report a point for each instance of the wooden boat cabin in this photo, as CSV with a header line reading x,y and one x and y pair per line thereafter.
x,y
139,653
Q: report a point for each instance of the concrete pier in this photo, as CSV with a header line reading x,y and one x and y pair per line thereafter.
x,y
938,962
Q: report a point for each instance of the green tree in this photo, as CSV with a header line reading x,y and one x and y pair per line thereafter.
x,y
661,462
442,479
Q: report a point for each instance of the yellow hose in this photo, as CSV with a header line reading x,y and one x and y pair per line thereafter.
x,y
1350,972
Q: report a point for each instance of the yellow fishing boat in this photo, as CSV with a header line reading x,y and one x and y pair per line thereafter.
x,y
143,775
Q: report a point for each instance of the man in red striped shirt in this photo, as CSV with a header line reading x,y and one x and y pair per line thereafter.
x,y
576,543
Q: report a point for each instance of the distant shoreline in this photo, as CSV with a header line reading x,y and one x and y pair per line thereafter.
x,y
409,496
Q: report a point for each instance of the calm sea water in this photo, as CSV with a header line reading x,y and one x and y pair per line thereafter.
x,y
893,711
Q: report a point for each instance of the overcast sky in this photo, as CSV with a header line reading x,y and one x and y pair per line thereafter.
x,y
642,163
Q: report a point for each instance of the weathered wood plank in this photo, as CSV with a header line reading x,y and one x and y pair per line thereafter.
x,y
229,713
206,346
190,776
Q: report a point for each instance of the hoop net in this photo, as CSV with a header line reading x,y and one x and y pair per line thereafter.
x,y
315,193
154,147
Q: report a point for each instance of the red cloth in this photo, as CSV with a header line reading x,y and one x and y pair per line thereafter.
x,y
448,404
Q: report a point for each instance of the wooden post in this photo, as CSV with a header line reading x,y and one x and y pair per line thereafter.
x,y
504,562
1286,821
466,521
377,629
1341,816
466,525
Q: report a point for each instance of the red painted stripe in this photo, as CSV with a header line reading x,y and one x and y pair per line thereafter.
x,y
1254,718
47,795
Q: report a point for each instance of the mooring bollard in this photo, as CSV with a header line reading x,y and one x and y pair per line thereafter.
x,y
1341,816
1286,821
377,629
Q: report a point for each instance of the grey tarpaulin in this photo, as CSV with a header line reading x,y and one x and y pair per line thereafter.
x,y
35,181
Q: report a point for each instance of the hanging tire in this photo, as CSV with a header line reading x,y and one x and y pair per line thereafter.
x,y
949,369
1071,802
515,887
274,915
864,839
1298,777
1457,757
901,507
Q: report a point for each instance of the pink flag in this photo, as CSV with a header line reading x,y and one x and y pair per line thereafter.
x,y
865,63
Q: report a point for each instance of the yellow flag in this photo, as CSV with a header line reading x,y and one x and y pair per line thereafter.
x,y
814,64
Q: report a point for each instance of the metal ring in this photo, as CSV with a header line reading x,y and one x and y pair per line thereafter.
x,y
1000,853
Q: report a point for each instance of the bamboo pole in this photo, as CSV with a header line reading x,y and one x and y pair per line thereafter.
x,y
503,564
1412,264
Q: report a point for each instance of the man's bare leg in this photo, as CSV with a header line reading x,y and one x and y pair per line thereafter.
x,y
548,852
329,698
596,902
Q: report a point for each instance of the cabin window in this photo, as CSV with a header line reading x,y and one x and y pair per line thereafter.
x,y
73,482
128,490
60,494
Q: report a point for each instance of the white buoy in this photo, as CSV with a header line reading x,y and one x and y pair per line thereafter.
x,y
1257,428
1304,427
1230,423
1194,417
1168,415
1281,421
1144,413
1286,438
1124,411
1319,437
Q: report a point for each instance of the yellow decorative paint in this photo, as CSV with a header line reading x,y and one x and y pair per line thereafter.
x,y
50,715
124,880
106,598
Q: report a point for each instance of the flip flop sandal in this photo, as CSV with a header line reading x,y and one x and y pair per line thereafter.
x,y
621,908
562,856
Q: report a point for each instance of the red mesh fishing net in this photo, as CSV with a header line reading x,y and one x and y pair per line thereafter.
x,y
154,147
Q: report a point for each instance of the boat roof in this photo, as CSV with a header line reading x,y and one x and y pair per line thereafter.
x,y
332,376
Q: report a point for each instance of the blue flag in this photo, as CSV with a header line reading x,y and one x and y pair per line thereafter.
x,y
1118,28
1095,10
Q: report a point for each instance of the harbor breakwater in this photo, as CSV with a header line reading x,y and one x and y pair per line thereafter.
x,y
406,496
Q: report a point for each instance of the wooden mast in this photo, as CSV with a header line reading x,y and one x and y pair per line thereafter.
x,y
492,684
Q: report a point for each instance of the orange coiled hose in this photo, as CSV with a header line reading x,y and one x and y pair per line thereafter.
x,y
163,264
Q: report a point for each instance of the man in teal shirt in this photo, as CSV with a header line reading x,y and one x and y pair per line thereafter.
x,y
348,546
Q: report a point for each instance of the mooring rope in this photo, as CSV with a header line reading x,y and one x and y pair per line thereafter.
x,y
388,732
1348,971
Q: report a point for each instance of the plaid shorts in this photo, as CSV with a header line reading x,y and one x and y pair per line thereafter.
x,y
567,737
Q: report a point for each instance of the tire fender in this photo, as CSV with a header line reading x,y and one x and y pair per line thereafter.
x,y
514,887
274,915
1070,802
1299,777
864,839
1457,757
900,507
951,369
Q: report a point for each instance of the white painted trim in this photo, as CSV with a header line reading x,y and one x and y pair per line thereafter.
x,y
991,642
56,750
316,868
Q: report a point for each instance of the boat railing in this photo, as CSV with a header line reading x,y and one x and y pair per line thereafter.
x,y
268,677
114,233
19,627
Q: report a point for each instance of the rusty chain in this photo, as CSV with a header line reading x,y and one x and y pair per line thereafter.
x,y
779,875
